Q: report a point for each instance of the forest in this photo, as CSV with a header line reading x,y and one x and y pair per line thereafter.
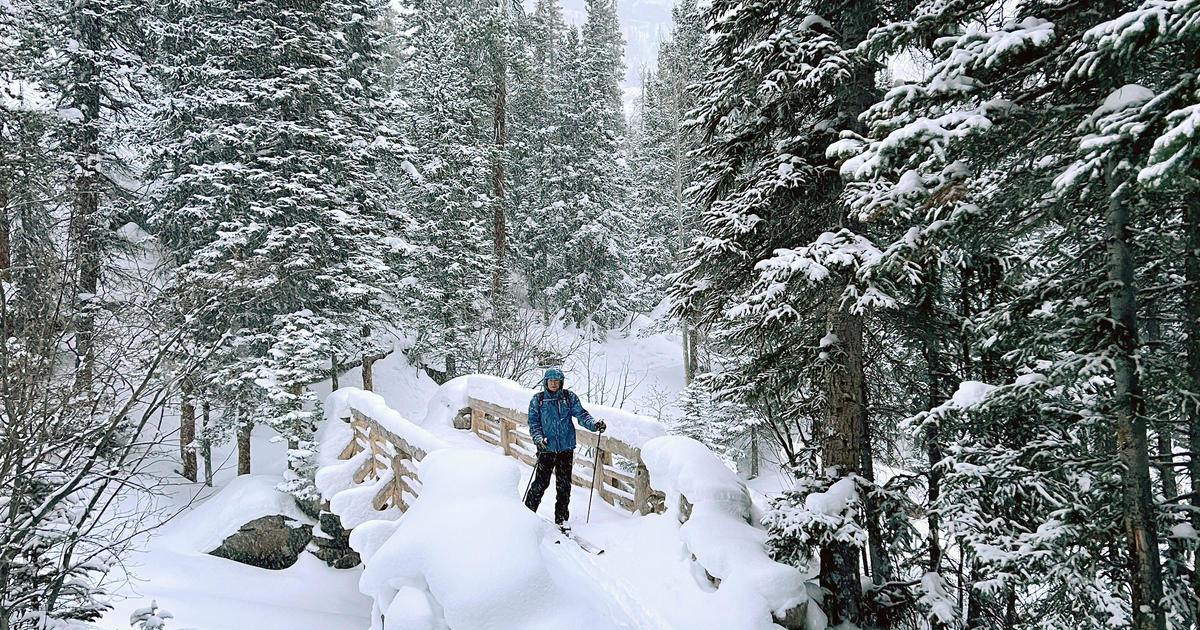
x,y
947,250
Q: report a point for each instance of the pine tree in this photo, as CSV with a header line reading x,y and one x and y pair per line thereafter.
x,y
450,122
994,152
272,204
776,237
663,165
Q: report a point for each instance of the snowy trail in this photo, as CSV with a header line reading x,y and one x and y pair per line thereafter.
x,y
626,608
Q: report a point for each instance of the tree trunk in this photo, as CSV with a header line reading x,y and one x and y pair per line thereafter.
x,y
245,425
368,372
333,372
84,227
5,239
206,443
1142,539
975,617
927,321
841,455
499,113
880,565
1192,401
754,452
187,432
689,364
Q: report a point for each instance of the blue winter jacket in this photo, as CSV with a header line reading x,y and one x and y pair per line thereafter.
x,y
550,415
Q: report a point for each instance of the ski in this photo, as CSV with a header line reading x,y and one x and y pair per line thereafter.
x,y
581,542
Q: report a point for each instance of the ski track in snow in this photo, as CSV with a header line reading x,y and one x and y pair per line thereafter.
x,y
632,612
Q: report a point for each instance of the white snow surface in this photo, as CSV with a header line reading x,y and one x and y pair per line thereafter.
x,y
242,500
481,543
468,554
970,393
718,533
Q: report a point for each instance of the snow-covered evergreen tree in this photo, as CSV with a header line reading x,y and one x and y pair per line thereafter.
x,y
449,121
1035,138
774,273
273,202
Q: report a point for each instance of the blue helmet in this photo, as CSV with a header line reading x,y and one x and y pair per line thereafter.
x,y
552,374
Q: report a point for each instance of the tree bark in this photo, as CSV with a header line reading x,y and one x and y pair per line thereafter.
x,y
881,567
499,114
754,452
333,373
927,321
206,442
1142,538
842,454
368,372
84,237
5,238
689,360
187,432
245,425
1192,400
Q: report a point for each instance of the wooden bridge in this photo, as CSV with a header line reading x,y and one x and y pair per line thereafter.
x,y
377,456
624,481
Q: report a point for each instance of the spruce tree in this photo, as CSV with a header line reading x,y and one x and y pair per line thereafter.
x,y
1041,141
782,80
270,203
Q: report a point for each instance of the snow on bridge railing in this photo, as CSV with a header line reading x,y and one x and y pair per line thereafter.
x,y
383,447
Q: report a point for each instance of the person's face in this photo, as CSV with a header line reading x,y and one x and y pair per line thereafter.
x,y
553,384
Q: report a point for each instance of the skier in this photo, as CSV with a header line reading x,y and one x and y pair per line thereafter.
x,y
550,425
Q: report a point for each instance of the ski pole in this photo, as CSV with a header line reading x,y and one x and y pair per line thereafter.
x,y
537,462
595,473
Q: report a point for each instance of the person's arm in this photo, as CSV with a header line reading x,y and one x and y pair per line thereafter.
x,y
535,421
581,414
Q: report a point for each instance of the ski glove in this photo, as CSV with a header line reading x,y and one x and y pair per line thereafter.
x,y
542,444
600,426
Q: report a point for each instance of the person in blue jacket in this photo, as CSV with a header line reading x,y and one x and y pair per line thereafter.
x,y
550,425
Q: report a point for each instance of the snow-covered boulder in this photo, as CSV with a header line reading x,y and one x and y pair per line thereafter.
x,y
269,542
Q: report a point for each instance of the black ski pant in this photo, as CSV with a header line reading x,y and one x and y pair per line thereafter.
x,y
560,464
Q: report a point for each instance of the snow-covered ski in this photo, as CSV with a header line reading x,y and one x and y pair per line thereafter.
x,y
583,543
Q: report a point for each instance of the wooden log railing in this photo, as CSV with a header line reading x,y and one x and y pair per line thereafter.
x,y
624,480
388,452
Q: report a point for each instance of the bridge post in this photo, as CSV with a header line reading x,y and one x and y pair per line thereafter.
x,y
641,489
476,420
507,427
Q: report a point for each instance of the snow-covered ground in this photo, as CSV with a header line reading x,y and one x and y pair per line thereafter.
x,y
210,593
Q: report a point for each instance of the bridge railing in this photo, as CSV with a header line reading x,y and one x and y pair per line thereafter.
x,y
391,455
623,480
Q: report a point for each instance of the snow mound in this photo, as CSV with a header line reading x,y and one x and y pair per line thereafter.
x,y
339,404
970,393
719,534
242,500
630,428
467,554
